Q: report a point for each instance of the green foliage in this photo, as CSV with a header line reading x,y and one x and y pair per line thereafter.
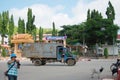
x,y
110,12
0,22
34,32
11,28
40,34
74,33
4,53
88,14
100,30
54,31
47,31
21,26
93,27
15,30
106,53
5,20
75,52
30,27
96,29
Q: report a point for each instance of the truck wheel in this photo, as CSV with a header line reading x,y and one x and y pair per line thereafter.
x,y
37,62
71,62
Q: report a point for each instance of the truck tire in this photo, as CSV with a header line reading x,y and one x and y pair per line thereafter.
x,y
37,62
71,62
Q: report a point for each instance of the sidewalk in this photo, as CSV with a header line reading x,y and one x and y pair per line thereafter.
x,y
108,79
4,58
7,58
97,58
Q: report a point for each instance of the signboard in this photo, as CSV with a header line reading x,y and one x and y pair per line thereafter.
x,y
56,37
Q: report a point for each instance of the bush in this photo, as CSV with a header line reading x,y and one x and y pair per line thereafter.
x,y
106,53
4,52
77,53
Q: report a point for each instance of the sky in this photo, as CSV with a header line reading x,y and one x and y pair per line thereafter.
x,y
62,12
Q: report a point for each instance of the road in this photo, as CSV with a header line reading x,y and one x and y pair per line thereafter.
x,y
59,71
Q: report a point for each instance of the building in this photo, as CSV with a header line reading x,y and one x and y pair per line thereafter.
x,y
5,39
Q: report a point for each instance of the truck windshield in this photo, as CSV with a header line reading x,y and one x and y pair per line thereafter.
x,y
67,52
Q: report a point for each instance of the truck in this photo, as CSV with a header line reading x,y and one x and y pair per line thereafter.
x,y
42,53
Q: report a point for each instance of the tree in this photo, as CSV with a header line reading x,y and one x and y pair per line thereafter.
x,y
99,29
40,34
11,27
48,31
96,29
54,31
5,20
93,27
34,32
106,53
30,27
74,33
0,23
88,14
110,12
21,26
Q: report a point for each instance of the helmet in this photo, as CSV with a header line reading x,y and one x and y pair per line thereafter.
x,y
13,55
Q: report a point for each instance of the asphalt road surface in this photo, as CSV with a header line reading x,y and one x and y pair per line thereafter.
x,y
59,71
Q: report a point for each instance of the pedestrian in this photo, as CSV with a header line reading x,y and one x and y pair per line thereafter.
x,y
13,66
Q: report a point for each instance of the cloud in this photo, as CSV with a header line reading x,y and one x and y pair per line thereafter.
x,y
18,13
80,10
45,15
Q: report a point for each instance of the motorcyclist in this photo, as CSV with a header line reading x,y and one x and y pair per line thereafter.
x,y
114,67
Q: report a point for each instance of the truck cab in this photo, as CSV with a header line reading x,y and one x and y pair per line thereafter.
x,y
65,56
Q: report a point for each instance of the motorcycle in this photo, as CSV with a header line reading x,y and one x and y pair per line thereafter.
x,y
114,67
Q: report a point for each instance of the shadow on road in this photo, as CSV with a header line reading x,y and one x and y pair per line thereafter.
x,y
48,64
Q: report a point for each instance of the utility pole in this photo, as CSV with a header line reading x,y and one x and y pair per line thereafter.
x,y
113,47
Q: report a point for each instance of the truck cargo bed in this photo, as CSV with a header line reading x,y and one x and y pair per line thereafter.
x,y
40,50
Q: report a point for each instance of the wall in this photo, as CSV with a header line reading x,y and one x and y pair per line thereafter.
x,y
111,50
